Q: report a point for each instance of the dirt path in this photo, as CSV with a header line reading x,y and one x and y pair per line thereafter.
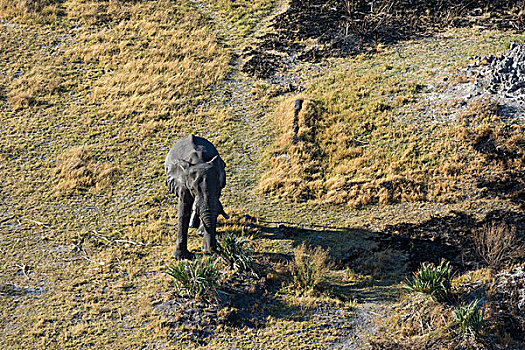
x,y
253,133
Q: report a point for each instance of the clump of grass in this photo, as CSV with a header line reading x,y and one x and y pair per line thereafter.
x,y
470,317
196,278
232,250
36,87
364,146
494,242
432,280
309,268
79,171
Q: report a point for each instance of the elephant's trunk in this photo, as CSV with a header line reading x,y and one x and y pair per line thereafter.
x,y
208,218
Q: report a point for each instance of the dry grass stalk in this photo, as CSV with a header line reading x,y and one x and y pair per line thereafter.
x,y
494,242
309,268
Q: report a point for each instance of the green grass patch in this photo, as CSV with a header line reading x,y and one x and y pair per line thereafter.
x,y
432,280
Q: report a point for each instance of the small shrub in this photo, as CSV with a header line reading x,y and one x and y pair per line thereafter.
x,y
195,278
309,267
494,242
432,280
470,317
231,249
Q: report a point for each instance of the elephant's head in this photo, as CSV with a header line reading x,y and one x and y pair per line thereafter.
x,y
204,182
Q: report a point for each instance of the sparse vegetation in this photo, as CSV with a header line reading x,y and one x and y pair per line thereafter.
x,y
432,280
195,278
309,268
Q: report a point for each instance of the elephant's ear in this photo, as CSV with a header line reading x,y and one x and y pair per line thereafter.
x,y
176,173
219,165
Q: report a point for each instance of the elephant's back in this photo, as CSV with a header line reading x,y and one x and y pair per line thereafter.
x,y
193,149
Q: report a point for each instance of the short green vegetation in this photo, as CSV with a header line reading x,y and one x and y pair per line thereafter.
x,y
195,278
233,251
432,280
470,317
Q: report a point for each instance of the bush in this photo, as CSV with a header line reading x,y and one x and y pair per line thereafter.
x,y
309,270
195,278
495,242
432,280
470,317
231,249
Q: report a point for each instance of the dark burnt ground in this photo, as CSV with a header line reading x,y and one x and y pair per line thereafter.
x,y
242,301
310,31
449,237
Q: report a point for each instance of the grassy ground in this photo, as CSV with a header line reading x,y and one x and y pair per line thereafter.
x,y
93,94
364,139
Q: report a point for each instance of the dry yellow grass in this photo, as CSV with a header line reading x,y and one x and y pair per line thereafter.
x,y
39,11
92,95
365,144
79,171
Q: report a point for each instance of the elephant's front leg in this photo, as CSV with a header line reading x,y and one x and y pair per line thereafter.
x,y
181,245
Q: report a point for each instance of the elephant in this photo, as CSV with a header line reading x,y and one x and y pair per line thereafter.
x,y
195,172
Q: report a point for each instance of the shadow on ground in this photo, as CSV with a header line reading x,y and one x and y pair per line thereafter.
x,y
369,265
447,237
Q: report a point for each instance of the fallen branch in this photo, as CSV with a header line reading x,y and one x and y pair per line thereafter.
x,y
111,240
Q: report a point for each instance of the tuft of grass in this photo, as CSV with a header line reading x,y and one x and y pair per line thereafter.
x,y
309,268
232,250
432,280
79,171
196,278
30,11
470,317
